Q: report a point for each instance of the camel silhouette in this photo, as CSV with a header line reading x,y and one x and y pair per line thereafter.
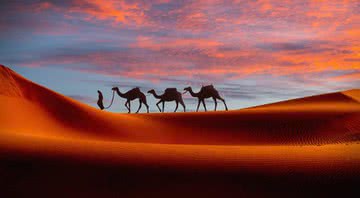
x,y
170,94
208,91
132,95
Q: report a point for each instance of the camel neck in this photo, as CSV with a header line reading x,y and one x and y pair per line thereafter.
x,y
120,94
156,96
193,94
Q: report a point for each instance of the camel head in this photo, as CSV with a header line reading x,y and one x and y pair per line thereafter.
x,y
152,91
115,88
186,89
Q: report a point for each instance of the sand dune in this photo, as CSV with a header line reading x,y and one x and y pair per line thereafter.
x,y
273,139
321,119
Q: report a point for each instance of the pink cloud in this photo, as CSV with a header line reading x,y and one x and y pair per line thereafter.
x,y
119,11
354,76
216,38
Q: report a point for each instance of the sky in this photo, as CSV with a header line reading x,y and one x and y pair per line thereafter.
x,y
253,52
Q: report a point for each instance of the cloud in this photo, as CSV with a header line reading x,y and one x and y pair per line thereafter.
x,y
353,76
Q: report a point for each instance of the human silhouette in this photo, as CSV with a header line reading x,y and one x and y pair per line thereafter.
x,y
208,91
170,94
132,95
100,100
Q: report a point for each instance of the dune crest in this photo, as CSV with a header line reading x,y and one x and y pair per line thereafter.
x,y
8,85
330,101
353,93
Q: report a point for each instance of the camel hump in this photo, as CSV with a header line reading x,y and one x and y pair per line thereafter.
x,y
136,89
208,87
170,90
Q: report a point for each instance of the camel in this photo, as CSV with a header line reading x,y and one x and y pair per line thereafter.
x,y
208,91
170,94
132,95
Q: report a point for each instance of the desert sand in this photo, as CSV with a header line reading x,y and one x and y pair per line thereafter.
x,y
56,146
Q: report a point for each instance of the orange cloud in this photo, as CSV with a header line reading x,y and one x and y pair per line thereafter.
x,y
149,43
355,76
213,37
117,11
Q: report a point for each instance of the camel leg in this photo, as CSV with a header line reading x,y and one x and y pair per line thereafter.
x,y
129,107
157,104
126,105
147,107
140,104
224,103
203,102
177,105
197,108
215,101
183,104
163,106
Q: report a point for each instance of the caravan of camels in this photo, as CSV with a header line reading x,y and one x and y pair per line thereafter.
x,y
170,94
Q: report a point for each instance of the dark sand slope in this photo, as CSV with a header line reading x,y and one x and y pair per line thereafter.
x,y
56,146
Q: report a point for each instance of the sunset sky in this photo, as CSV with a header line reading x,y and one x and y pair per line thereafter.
x,y
254,52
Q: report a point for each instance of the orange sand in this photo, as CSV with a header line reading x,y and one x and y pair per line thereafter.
x,y
302,135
